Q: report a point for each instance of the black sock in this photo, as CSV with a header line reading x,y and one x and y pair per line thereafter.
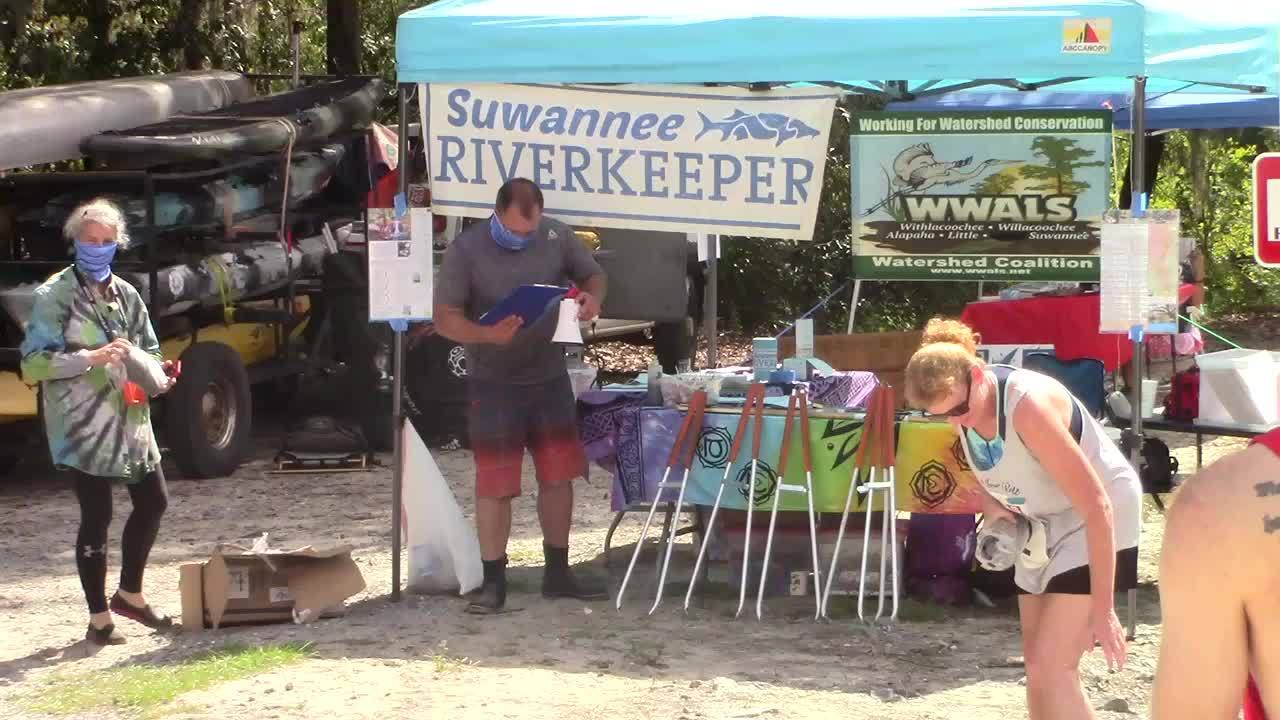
x,y
495,571
557,559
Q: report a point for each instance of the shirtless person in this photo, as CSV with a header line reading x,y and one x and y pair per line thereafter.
x,y
1219,584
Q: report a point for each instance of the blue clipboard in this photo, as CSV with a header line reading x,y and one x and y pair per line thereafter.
x,y
530,302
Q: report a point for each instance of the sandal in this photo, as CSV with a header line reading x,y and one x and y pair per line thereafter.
x,y
141,615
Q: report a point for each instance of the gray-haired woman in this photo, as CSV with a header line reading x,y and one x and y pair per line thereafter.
x,y
91,347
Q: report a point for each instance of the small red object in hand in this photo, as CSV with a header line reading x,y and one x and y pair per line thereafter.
x,y
134,394
574,292
172,368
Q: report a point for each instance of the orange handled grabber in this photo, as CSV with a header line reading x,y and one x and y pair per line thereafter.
x,y
681,454
754,404
797,411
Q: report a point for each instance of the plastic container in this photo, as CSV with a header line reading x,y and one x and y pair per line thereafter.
x,y
1239,386
1149,389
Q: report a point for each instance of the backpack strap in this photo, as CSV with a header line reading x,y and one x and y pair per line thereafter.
x,y
1002,373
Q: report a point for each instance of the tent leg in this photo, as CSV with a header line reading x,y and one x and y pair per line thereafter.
x,y
712,301
397,386
853,305
1137,168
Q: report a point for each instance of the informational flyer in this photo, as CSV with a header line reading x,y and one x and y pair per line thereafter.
x,y
400,280
1140,271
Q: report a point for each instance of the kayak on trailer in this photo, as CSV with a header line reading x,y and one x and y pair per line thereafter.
x,y
48,124
266,125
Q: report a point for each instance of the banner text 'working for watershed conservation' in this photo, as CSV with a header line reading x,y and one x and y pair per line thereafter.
x,y
715,160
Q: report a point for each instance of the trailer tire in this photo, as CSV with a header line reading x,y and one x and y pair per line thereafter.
x,y
209,413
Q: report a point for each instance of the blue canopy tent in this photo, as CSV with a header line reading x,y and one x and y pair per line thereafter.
x,y
860,45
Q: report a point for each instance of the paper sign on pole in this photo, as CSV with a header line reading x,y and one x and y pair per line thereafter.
x,y
1266,209
1140,271
667,158
400,272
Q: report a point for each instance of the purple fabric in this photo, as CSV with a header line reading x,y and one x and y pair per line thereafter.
x,y
844,389
939,558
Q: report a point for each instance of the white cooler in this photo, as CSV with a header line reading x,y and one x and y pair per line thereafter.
x,y
1239,387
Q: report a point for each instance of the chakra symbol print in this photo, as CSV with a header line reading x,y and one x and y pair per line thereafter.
x,y
713,447
933,484
766,482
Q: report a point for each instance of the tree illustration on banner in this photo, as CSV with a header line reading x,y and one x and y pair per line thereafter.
x,y
1062,157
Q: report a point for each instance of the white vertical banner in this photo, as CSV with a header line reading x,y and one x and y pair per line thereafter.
x,y
667,158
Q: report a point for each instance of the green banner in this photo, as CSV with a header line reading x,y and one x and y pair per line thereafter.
x,y
1010,196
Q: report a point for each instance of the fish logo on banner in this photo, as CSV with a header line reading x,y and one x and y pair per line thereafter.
x,y
673,159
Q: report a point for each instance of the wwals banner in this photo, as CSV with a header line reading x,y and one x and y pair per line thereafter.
x,y
979,195
714,160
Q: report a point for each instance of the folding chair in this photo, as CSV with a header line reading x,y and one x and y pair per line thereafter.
x,y
754,404
681,454
799,401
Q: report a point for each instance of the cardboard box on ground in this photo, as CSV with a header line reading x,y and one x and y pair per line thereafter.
x,y
256,585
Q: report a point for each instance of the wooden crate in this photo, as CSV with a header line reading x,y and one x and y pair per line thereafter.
x,y
887,351
885,354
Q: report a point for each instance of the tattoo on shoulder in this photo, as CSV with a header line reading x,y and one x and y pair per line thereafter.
x,y
1271,524
1267,489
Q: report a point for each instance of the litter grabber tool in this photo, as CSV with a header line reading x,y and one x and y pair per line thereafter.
x,y
756,432
799,402
681,454
867,440
884,459
754,402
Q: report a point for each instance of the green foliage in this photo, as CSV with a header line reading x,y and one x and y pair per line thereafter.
x,y
1219,214
1001,183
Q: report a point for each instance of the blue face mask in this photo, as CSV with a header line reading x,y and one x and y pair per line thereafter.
x,y
986,453
95,260
505,238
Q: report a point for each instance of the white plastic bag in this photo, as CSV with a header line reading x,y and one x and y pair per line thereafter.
x,y
444,551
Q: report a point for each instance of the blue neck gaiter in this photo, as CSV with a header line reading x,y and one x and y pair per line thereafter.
x,y
95,260
505,238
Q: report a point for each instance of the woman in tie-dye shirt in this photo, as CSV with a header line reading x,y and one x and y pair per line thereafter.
x,y
85,323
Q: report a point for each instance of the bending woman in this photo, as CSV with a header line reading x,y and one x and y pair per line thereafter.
x,y
84,326
1040,456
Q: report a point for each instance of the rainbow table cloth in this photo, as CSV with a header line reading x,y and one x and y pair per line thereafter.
x,y
634,443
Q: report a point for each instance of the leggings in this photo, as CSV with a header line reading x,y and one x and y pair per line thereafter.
x,y
150,497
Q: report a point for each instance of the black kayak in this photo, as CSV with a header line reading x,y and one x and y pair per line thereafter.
x,y
267,125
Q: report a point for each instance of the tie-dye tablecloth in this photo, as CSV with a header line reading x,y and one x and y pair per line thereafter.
x,y
633,443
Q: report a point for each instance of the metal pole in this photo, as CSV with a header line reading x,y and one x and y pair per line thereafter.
x,y
1138,181
712,301
295,46
397,382
853,304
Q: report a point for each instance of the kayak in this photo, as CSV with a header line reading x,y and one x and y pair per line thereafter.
x,y
266,125
48,124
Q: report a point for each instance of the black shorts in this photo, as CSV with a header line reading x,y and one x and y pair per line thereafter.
x,y
1076,580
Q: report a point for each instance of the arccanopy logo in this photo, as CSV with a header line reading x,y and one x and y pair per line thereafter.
x,y
1090,36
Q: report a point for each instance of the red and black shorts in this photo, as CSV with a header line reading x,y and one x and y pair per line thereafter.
x,y
505,420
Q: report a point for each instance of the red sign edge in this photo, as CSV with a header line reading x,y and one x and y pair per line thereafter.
x,y
1260,197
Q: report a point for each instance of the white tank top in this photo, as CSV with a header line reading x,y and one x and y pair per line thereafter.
x,y
1020,483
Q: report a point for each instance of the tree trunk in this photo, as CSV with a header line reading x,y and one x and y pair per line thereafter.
x,y
342,39
1198,159
98,17
190,28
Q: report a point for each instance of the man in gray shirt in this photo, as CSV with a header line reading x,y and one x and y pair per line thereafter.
x,y
519,387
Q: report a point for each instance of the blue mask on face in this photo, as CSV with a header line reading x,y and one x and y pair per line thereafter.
x,y
505,238
95,260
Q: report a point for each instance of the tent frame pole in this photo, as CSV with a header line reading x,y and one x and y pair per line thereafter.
x,y
397,383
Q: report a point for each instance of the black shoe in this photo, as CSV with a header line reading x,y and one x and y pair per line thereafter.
x,y
104,636
488,601
565,584
141,615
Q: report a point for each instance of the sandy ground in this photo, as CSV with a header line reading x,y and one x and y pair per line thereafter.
x,y
424,657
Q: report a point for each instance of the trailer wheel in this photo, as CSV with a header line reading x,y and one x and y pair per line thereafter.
x,y
209,413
